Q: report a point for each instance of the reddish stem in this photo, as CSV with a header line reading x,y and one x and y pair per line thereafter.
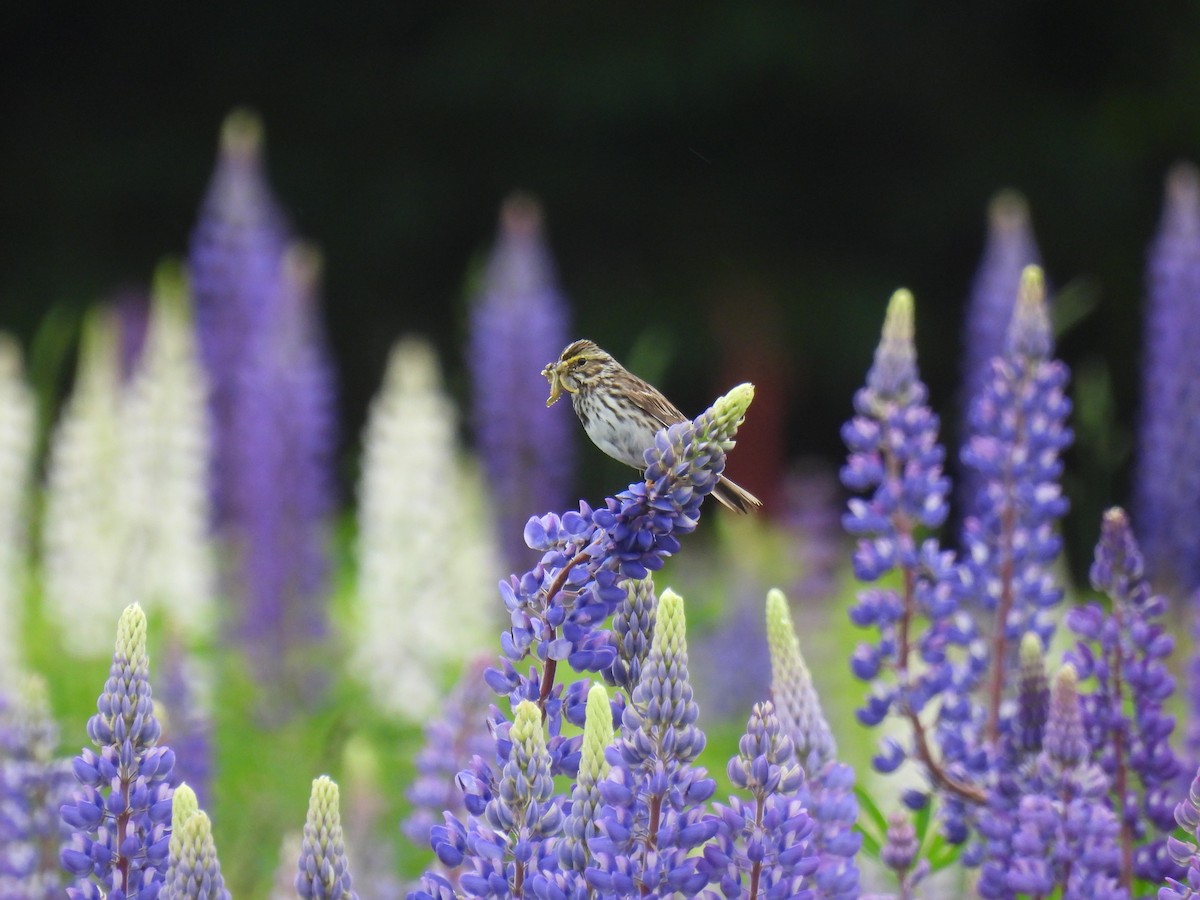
x,y
548,673
1120,781
1004,605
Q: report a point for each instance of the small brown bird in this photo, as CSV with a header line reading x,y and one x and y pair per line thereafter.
x,y
621,413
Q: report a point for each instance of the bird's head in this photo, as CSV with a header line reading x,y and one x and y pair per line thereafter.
x,y
577,366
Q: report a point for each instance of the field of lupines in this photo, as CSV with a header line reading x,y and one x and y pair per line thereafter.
x,y
554,738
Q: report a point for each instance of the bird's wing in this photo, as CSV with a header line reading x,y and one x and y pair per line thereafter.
x,y
654,403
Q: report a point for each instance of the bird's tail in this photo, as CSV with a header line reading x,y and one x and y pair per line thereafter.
x,y
733,497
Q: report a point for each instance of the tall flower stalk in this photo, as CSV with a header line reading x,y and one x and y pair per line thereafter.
x,y
120,815
1126,650
1009,248
1167,473
1017,435
18,433
420,540
34,782
164,460
83,529
927,650
518,324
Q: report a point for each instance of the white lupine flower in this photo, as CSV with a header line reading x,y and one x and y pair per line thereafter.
x,y
83,532
427,572
18,425
127,501
164,467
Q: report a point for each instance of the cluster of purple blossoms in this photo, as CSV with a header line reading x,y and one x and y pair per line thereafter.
x,y
928,649
120,815
1049,829
271,399
193,871
34,782
1010,247
828,790
518,325
653,819
766,845
510,839
1185,852
1018,433
1125,650
323,871
1167,478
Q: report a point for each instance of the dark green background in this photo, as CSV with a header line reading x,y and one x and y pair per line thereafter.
x,y
688,155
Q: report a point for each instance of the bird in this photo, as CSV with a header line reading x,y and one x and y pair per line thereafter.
x,y
621,413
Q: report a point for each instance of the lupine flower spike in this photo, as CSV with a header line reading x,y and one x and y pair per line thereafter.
x,y
324,872
927,650
652,819
1126,650
1009,249
763,849
18,431
1185,852
121,813
193,872
34,783
1017,436
828,791
415,495
1167,474
517,323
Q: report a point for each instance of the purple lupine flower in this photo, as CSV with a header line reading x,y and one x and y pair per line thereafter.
x,y
518,323
193,872
236,248
1125,650
1053,831
513,838
652,819
1017,435
280,471
121,813
927,649
763,848
450,743
828,791
323,872
1010,247
33,784
899,853
1024,738
557,609
813,520
1185,852
633,631
187,723
1167,473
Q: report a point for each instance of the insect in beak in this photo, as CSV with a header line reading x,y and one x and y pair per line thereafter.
x,y
557,386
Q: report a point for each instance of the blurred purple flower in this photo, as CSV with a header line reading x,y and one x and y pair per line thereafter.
x,y
1126,651
34,783
280,477
518,324
1167,473
236,248
323,872
1010,247
187,724
1049,828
